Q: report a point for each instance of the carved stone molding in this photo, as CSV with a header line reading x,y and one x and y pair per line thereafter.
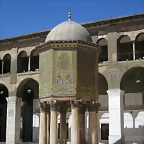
x,y
93,105
53,105
14,99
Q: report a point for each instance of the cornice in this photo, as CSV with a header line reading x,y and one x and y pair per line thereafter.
x,y
67,45
108,22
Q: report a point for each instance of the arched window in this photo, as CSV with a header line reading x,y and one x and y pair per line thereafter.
x,y
103,57
139,46
124,48
22,62
6,63
34,61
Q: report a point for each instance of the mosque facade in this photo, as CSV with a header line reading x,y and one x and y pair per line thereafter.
x,y
74,84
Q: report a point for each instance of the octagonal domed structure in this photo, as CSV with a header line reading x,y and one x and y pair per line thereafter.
x,y
68,31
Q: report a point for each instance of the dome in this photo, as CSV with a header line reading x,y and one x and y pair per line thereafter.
x,y
68,31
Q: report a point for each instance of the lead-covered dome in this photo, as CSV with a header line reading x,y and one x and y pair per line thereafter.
x,y
68,31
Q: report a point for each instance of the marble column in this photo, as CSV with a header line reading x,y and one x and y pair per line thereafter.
x,y
134,51
93,122
29,63
13,120
116,120
82,110
43,123
75,133
48,126
63,125
36,119
53,123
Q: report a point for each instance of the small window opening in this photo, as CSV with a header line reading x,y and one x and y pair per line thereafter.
x,y
104,131
34,63
22,62
124,49
139,46
6,64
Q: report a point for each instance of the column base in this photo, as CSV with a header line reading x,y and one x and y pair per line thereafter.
x,y
116,139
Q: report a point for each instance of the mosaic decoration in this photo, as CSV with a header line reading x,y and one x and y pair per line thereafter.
x,y
86,90
86,73
64,61
46,59
63,82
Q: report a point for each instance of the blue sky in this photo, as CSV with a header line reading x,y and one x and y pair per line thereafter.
x,y
18,17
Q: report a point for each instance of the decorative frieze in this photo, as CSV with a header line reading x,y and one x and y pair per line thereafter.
x,y
93,105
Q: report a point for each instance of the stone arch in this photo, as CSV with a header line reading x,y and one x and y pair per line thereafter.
x,y
132,82
6,63
139,46
28,90
4,93
28,83
105,115
139,120
102,88
103,57
34,60
22,62
102,84
25,78
124,48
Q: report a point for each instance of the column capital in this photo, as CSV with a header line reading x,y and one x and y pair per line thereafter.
x,y
44,106
115,92
13,99
53,105
93,105
75,103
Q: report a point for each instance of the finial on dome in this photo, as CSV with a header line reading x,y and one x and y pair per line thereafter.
x,y
69,15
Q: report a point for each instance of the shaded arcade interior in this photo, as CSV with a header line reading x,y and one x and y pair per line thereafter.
x,y
132,83
28,90
3,111
130,50
27,63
